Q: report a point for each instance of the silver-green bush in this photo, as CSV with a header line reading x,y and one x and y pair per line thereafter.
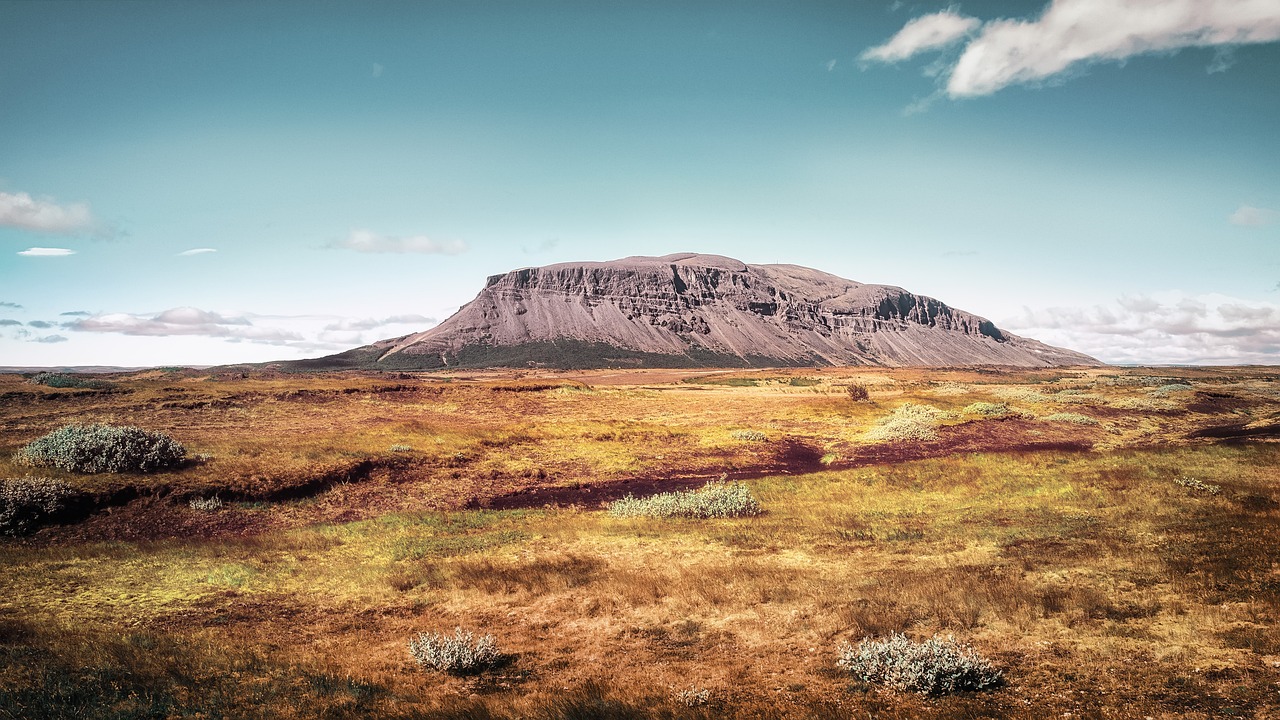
x,y
749,435
459,654
26,502
908,421
986,409
716,499
1073,418
59,380
208,504
1198,485
936,666
102,448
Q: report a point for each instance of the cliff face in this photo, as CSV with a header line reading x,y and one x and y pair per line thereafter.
x,y
689,309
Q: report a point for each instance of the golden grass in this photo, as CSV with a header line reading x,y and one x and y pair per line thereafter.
x,y
1102,586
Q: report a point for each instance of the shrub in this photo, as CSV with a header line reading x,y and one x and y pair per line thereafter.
x,y
986,409
208,504
1166,390
102,448
459,654
400,448
936,666
857,392
1194,484
748,435
716,499
1074,418
694,697
58,380
27,501
908,421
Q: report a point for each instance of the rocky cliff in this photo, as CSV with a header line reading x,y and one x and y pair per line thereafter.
x,y
689,310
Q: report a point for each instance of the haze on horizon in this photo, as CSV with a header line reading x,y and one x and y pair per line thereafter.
x,y
215,182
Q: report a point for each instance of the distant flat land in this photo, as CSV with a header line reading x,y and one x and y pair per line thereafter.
x,y
1106,536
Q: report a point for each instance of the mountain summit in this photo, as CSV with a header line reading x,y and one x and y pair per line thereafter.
x,y
687,310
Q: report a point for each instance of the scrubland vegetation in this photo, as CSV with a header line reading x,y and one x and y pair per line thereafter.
x,y
957,544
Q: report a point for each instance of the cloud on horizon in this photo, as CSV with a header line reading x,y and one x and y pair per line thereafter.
x,y
366,241
1166,328
49,339
347,324
20,210
302,333
196,251
15,306
1070,34
185,321
46,252
1249,216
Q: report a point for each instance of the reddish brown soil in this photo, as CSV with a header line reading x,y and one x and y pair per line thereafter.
x,y
797,458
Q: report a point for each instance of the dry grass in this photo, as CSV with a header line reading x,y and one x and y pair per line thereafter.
x,y
1100,585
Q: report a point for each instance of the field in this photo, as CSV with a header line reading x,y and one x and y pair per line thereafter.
x,y
1106,537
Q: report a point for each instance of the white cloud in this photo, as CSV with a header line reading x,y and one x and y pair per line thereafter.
x,y
348,324
1171,328
831,65
369,242
1073,33
185,321
1250,216
927,32
49,339
46,252
309,334
196,251
43,215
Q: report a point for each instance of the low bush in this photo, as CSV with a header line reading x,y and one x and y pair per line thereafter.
x,y
27,502
102,448
749,435
986,409
208,504
59,380
1166,390
857,392
1193,484
1073,418
908,421
716,499
461,653
401,448
936,666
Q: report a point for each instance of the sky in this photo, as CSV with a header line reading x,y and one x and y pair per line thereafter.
x,y
215,182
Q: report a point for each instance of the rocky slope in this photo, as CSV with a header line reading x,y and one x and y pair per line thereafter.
x,y
690,310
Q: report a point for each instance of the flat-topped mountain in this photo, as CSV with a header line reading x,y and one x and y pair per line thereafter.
x,y
688,310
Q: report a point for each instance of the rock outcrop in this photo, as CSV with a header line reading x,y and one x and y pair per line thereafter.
x,y
701,310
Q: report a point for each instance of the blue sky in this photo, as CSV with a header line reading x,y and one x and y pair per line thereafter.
x,y
204,182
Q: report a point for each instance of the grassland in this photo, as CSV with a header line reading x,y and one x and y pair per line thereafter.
x,y
1057,521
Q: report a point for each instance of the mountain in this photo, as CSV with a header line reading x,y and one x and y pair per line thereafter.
x,y
688,310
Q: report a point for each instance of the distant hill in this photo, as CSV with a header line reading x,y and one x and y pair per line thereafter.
x,y
690,310
22,369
